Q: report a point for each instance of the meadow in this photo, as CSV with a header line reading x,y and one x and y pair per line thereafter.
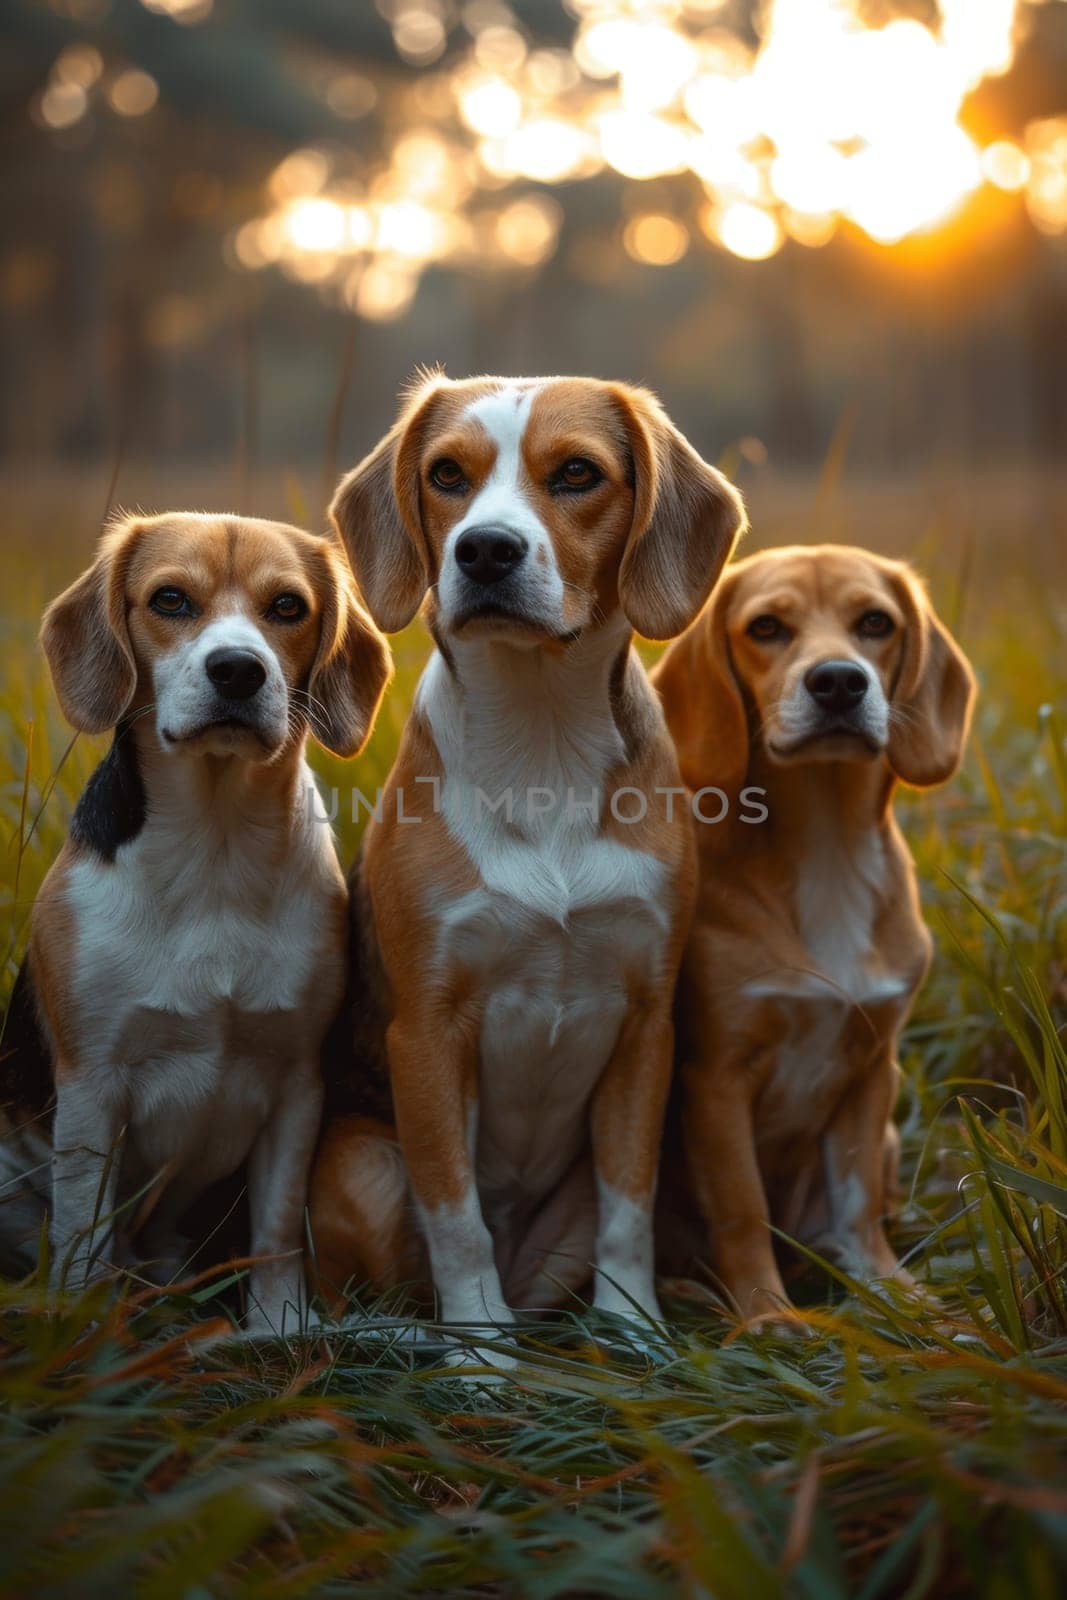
x,y
894,1449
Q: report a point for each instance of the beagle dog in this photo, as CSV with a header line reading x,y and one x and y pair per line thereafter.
x,y
526,884
188,947
820,676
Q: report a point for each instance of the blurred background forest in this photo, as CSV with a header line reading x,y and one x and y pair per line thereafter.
x,y
830,232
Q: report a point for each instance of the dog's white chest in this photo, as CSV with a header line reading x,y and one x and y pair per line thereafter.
x,y
551,971
187,947
843,978
810,1071
564,922
190,984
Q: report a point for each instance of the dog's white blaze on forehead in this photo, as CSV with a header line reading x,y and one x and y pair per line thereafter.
x,y
504,415
502,502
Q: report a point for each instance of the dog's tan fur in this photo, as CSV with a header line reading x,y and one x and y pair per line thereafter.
x,y
183,980
640,550
807,946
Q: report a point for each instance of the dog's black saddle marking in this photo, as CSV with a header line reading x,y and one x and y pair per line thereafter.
x,y
355,1069
112,808
26,1084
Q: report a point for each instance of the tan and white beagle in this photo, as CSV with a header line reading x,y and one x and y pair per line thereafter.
x,y
188,946
528,884
822,676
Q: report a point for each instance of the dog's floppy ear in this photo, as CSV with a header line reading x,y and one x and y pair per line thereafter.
x,y
687,518
376,512
702,700
932,701
86,640
352,667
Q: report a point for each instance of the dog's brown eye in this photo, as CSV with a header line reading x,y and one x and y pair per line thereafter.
x,y
578,473
288,608
766,627
448,475
875,624
171,602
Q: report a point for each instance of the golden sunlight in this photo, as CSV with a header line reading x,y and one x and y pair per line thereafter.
x,y
828,119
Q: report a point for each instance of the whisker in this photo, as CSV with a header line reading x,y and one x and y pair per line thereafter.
x,y
143,712
596,615
905,715
771,711
309,703
306,707
306,694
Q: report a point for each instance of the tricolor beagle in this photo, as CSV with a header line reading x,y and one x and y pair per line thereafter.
x,y
530,879
188,946
822,676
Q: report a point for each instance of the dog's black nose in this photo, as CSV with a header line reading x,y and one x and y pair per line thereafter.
x,y
837,685
236,674
485,555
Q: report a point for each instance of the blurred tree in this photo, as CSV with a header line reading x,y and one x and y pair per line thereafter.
x,y
124,320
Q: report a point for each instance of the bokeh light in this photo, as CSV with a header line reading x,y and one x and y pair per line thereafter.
x,y
748,231
1046,192
526,230
1005,166
186,11
132,93
657,239
830,116
78,63
61,105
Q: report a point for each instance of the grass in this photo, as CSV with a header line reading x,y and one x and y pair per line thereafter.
x,y
893,1451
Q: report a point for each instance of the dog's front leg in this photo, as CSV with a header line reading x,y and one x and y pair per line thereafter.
x,y
728,1186
627,1127
854,1156
278,1170
436,1120
86,1154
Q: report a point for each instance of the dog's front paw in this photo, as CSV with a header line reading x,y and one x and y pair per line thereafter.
x,y
765,1310
636,1312
465,1350
72,1274
630,1333
479,1365
281,1322
781,1322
